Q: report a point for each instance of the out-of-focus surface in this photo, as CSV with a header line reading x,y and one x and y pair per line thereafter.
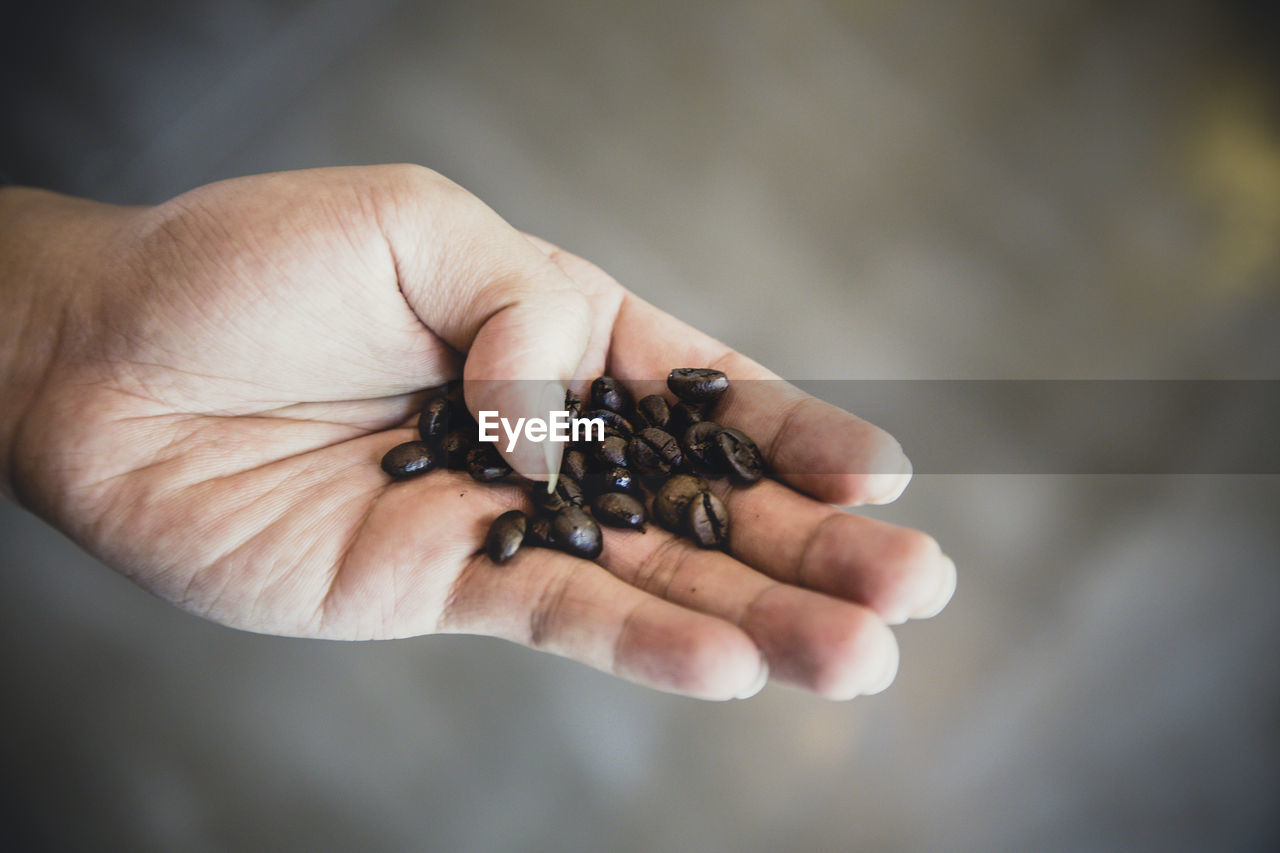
x,y
951,190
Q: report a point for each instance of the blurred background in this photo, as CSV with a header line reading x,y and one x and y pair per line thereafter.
x,y
876,190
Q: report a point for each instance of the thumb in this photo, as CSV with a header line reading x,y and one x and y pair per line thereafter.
x,y
484,288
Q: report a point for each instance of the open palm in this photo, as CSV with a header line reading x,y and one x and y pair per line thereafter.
x,y
252,348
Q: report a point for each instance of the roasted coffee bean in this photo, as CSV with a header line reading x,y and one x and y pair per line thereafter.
x,y
454,449
506,535
653,411
577,533
614,423
612,452
684,415
654,453
618,509
538,534
697,384
616,479
739,457
609,393
484,463
572,405
451,391
673,497
700,446
707,521
410,459
433,423
567,493
574,463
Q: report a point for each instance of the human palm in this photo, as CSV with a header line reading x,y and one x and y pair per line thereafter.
x,y
251,349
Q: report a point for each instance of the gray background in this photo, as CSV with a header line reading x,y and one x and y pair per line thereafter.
x,y
984,190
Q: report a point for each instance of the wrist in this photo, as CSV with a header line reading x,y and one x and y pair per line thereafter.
x,y
53,250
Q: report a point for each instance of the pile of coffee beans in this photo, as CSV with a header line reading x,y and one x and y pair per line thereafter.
x,y
651,446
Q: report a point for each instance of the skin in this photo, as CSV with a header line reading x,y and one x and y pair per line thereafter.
x,y
198,393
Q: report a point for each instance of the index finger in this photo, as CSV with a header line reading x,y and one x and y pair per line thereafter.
x,y
819,448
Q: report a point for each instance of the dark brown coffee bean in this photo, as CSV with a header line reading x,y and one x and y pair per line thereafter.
x,y
572,405
614,423
567,493
433,423
684,415
577,533
739,457
539,533
454,449
410,459
618,509
485,464
616,479
697,384
574,463
506,535
451,391
700,446
673,497
609,393
653,411
653,453
707,521
612,452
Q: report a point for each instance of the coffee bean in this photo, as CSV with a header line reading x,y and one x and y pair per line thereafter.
x,y
612,452
451,391
433,423
614,423
700,446
572,405
409,459
539,533
673,497
484,463
609,393
653,411
707,521
684,415
454,449
574,463
739,456
697,384
506,535
618,509
577,533
616,479
567,493
654,453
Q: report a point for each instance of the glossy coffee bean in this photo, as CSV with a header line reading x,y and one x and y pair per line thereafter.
x,y
612,452
506,535
653,411
410,459
454,449
538,534
616,479
698,384
485,464
577,533
653,453
700,446
618,509
683,416
451,391
739,457
572,405
614,423
433,423
567,493
574,463
707,521
609,393
673,498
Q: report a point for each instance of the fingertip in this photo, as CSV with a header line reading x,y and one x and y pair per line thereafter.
x,y
945,590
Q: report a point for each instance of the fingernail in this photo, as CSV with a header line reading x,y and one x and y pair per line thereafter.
x,y
888,672
551,400
946,589
756,686
895,484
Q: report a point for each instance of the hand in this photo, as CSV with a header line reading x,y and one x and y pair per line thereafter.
x,y
217,378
